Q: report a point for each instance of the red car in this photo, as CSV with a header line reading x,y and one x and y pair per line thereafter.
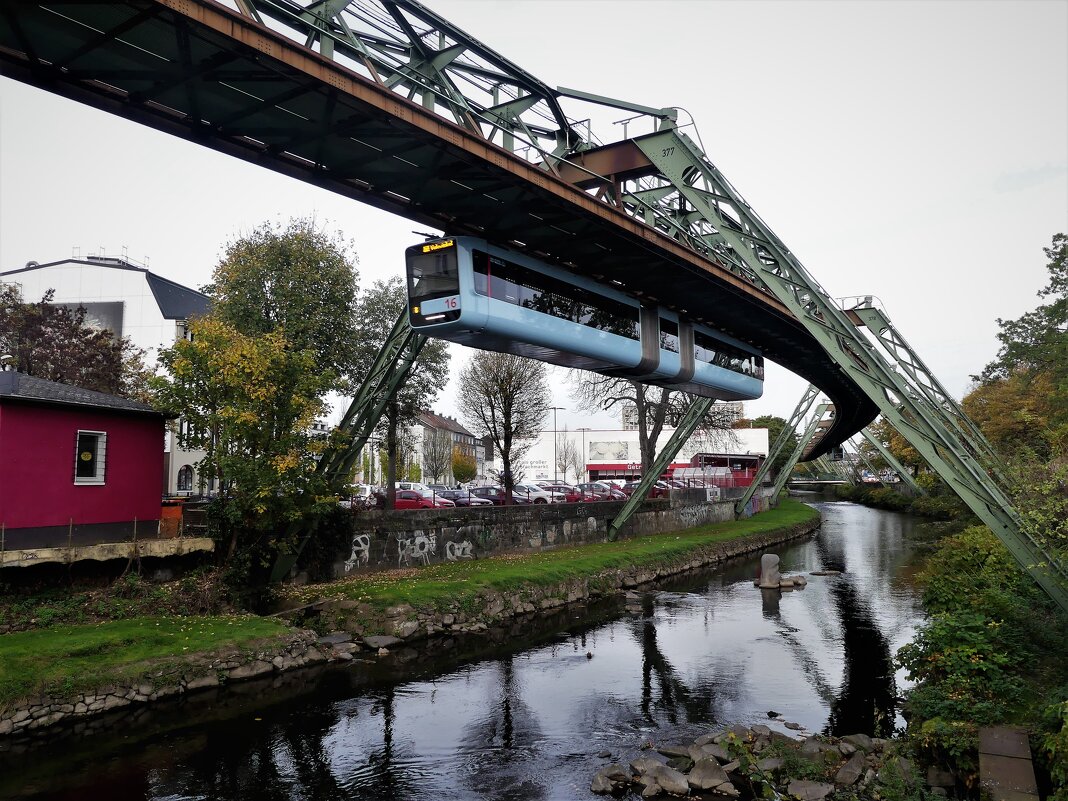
x,y
410,499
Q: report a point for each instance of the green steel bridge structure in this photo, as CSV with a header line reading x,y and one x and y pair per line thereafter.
x,y
388,103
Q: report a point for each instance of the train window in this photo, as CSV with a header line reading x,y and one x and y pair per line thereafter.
x,y
712,351
512,283
432,275
669,335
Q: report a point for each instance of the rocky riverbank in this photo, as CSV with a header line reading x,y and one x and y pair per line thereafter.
x,y
197,672
762,762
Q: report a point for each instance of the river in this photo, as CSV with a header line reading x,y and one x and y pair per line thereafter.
x,y
526,718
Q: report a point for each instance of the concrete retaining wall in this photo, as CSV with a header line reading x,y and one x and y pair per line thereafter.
x,y
394,539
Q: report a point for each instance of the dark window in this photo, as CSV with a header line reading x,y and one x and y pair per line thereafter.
x,y
669,335
89,457
185,479
513,283
712,351
432,275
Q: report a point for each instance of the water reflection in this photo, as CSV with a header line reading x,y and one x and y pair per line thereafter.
x,y
527,722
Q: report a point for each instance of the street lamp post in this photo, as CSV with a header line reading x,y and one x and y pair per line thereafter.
x,y
556,475
583,430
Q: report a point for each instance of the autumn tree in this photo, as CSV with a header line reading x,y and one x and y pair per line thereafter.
x,y
377,309
1031,369
463,466
295,278
54,342
253,379
505,397
248,402
654,409
437,453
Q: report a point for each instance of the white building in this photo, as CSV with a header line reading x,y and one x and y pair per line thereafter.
x,y
127,299
615,453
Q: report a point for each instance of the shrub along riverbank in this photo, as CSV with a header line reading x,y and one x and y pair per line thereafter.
x,y
63,643
994,650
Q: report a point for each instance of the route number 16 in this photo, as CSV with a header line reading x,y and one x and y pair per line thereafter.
x,y
452,303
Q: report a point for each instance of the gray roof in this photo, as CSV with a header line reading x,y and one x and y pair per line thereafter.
x,y
442,423
176,302
28,388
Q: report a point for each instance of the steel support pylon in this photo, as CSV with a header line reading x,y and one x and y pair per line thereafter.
x,y
876,321
808,397
737,235
387,375
687,425
788,468
891,460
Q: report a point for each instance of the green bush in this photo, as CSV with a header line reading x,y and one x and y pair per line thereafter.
x,y
993,644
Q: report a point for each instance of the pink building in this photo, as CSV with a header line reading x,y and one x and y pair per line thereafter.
x,y
76,467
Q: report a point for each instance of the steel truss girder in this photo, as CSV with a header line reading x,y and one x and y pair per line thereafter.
x,y
808,397
387,375
683,431
742,238
895,344
788,468
407,48
861,460
891,460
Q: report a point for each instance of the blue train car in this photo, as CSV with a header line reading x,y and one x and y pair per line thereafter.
x,y
466,290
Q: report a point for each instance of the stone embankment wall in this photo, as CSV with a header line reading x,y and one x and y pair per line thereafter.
x,y
404,624
420,537
301,649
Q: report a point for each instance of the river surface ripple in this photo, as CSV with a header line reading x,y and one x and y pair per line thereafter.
x,y
528,721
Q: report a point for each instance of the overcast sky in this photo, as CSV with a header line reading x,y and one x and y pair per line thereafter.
x,y
915,151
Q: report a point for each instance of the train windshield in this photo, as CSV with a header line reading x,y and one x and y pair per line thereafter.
x,y
432,273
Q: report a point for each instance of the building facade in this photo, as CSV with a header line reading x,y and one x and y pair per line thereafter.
x,y
133,302
616,453
76,464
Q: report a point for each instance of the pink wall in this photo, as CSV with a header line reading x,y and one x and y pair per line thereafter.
x,y
37,488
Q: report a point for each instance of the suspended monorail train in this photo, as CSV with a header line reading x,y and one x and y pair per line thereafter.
x,y
466,290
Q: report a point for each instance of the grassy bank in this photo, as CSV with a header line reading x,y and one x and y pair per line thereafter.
x,y
435,586
79,642
64,660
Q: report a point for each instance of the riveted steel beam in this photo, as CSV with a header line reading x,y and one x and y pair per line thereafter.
x,y
683,431
741,237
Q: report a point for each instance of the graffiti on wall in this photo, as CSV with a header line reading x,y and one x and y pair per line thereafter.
x,y
459,550
416,548
361,552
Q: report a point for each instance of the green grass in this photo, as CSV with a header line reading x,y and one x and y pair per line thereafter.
x,y
440,585
64,660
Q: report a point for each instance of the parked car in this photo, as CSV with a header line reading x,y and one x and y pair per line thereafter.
x,y
571,494
660,489
412,485
538,494
464,498
412,499
497,495
438,488
603,491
